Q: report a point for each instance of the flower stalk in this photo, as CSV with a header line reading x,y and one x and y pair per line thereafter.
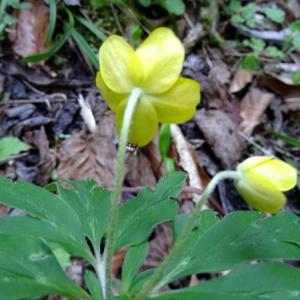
x,y
157,280
135,95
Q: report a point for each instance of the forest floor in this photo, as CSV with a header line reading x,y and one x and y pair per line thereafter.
x,y
245,55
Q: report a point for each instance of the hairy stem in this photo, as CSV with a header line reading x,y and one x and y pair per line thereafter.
x,y
155,281
110,237
100,271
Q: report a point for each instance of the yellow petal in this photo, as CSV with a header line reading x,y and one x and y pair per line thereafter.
x,y
161,56
144,124
277,172
112,99
260,193
179,103
120,67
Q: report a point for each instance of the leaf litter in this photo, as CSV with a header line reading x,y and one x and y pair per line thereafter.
x,y
237,115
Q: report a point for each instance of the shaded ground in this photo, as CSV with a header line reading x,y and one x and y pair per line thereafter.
x,y
242,112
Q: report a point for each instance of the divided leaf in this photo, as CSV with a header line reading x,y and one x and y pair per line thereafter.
x,y
28,268
92,205
134,259
27,227
58,220
239,238
262,281
139,216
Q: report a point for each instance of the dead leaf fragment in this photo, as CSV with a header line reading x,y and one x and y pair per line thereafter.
x,y
252,107
87,155
3,210
240,80
47,159
159,246
222,135
118,260
29,34
219,72
289,93
186,159
139,170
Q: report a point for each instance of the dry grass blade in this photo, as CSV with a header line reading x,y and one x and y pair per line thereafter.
x,y
186,159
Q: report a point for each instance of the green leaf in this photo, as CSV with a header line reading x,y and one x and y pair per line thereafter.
x,y
63,257
257,45
239,238
52,21
139,216
251,63
134,259
31,261
92,28
176,7
234,6
237,19
86,49
10,146
295,26
58,220
136,34
93,285
254,282
96,4
59,43
40,203
164,140
276,15
170,165
92,205
287,138
296,40
34,228
248,11
296,78
274,52
206,219
145,3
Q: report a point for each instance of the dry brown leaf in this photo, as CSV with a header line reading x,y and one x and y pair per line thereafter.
x,y
139,170
3,210
240,80
159,246
186,159
219,72
118,260
253,107
152,153
159,249
222,135
290,93
87,155
47,160
29,34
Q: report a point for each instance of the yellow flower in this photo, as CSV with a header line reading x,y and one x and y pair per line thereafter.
x,y
155,67
263,179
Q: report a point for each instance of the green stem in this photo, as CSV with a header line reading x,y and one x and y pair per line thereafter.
x,y
110,237
154,282
99,268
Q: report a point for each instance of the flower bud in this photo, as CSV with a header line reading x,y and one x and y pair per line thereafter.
x,y
263,181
